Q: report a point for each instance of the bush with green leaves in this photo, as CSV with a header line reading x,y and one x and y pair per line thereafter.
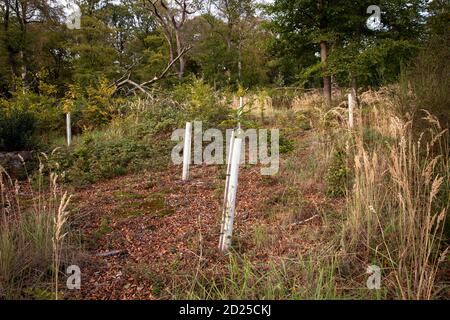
x,y
200,102
17,130
140,140
95,159
286,144
337,175
43,107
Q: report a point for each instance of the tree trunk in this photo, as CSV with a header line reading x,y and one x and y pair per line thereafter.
x,y
9,48
239,61
23,72
22,55
182,62
171,49
326,79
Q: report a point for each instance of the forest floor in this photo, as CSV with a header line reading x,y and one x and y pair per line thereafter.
x,y
147,232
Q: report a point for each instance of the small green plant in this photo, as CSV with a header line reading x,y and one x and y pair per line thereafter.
x,y
103,229
337,175
373,138
201,103
303,120
144,272
260,236
39,294
286,144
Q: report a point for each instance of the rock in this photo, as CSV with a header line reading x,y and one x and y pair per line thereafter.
x,y
12,163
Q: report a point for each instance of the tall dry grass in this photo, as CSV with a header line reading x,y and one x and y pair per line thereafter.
x,y
400,197
399,185
399,188
33,218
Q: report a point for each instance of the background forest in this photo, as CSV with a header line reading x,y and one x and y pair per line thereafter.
x,y
48,69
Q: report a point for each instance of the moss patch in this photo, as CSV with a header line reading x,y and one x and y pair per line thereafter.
x,y
154,205
121,195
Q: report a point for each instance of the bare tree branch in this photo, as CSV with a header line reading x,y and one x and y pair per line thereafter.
x,y
125,79
171,16
163,74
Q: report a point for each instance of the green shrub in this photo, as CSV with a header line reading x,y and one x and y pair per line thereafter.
x,y
286,144
201,103
43,107
17,130
373,138
303,120
138,141
92,160
337,175
161,119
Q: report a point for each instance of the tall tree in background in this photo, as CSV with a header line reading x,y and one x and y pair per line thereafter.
x,y
7,61
323,38
93,53
171,17
239,18
374,53
311,22
22,21
349,50
307,42
217,56
229,43
429,73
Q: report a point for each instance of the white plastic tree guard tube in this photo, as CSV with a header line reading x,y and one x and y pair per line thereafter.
x,y
68,129
350,110
187,150
232,191
227,181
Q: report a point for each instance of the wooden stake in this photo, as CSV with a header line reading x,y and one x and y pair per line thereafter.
x,y
187,150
